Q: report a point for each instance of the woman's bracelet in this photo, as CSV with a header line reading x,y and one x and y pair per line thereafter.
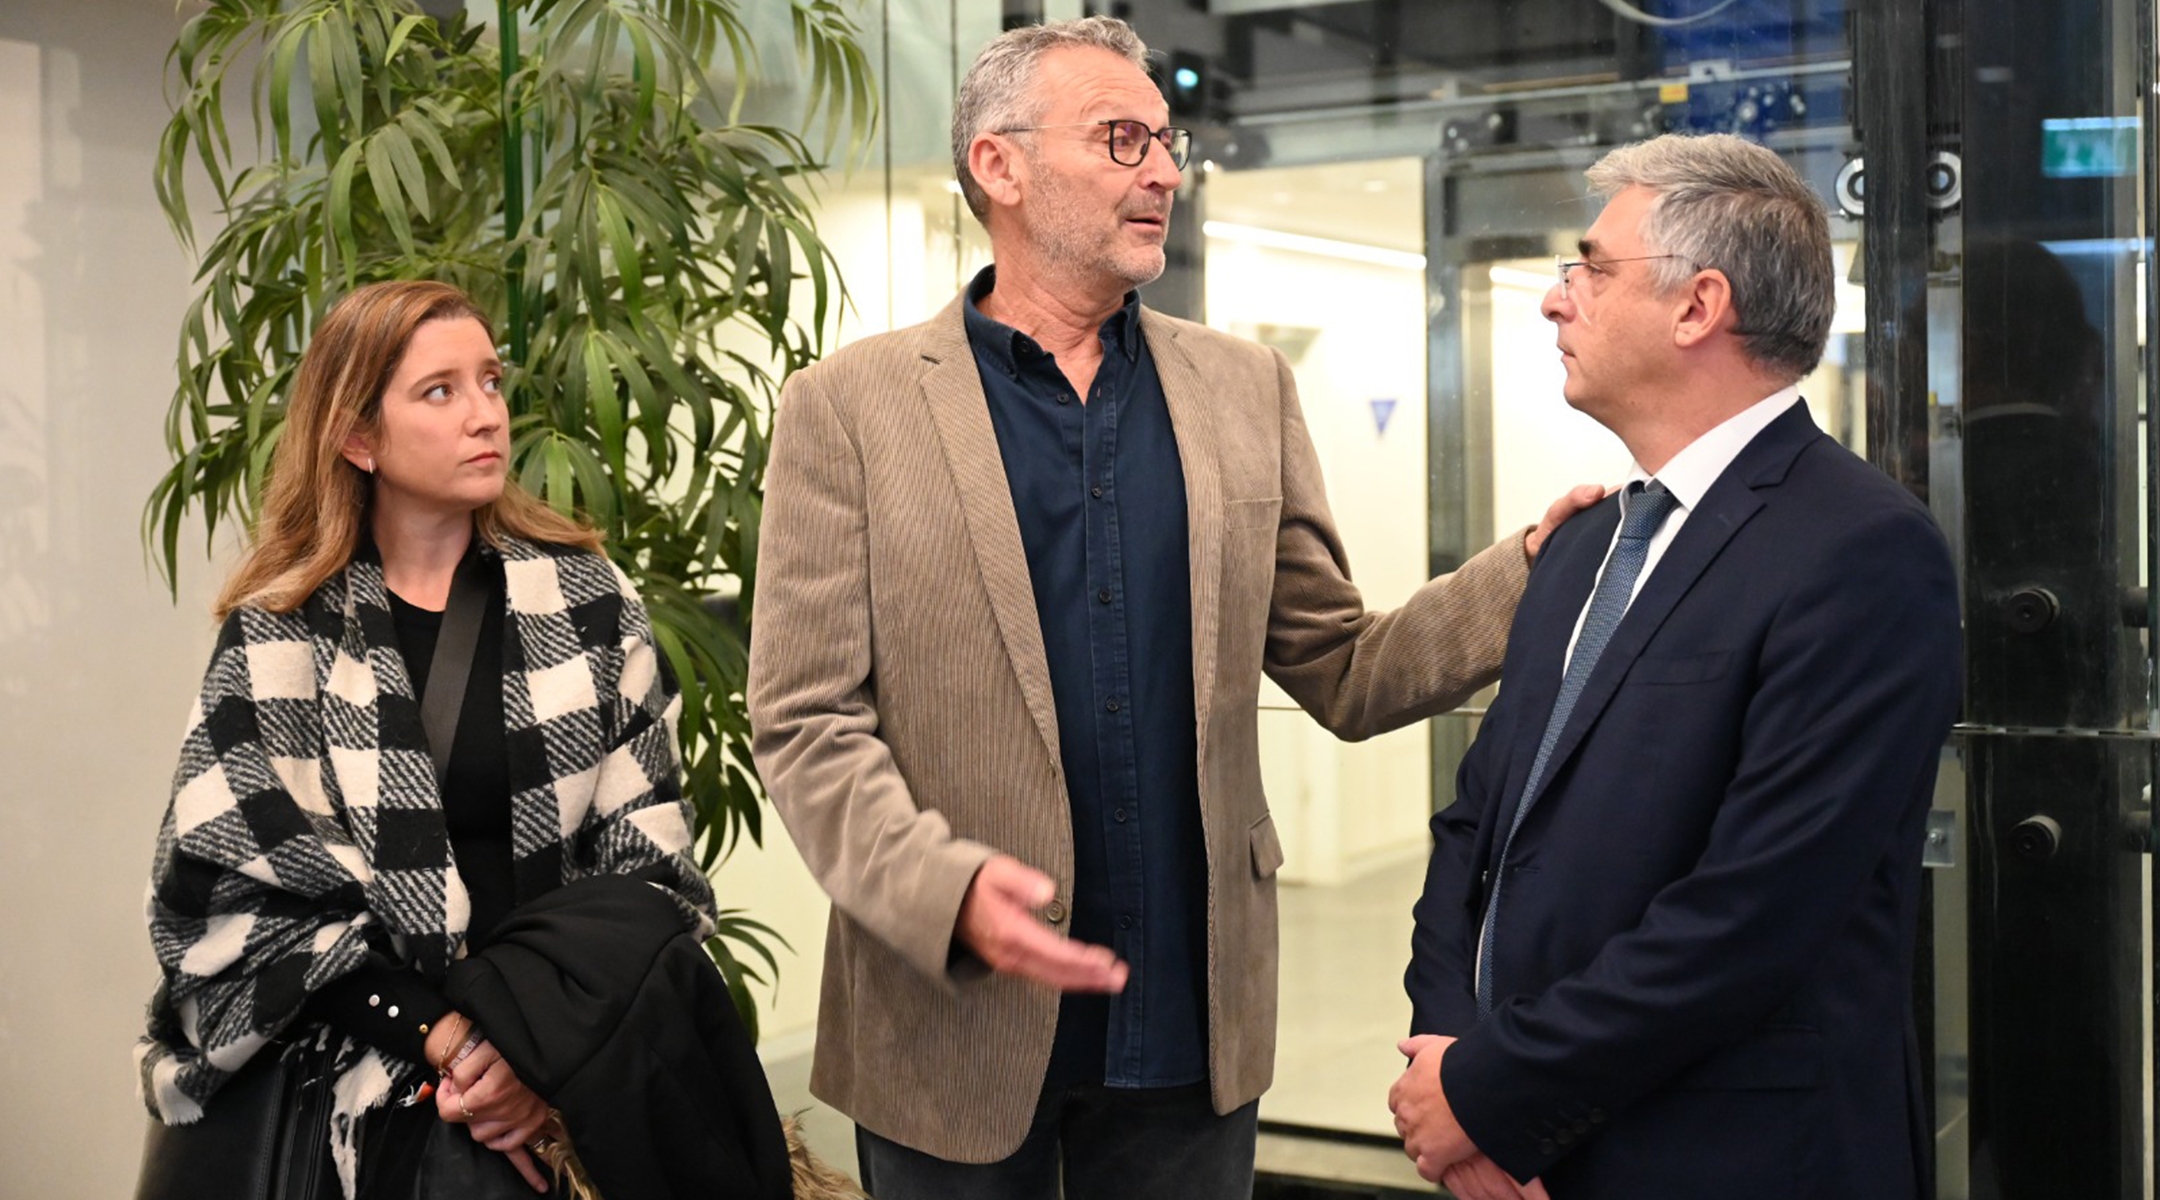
x,y
449,1057
472,1043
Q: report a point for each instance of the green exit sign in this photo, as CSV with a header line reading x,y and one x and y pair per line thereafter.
x,y
2088,147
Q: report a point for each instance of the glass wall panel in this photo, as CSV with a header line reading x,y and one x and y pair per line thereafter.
x,y
1326,265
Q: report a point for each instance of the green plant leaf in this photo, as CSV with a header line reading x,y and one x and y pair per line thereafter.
x,y
412,178
560,491
344,236
405,27
383,180
284,54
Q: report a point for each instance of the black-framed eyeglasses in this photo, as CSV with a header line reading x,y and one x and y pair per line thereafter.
x,y
1567,265
1128,139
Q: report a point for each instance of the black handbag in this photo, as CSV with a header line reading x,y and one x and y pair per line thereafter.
x,y
411,1154
265,1135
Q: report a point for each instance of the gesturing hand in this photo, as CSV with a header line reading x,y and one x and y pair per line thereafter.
x,y
998,922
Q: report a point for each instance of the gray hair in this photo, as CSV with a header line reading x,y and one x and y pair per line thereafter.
x,y
1730,204
998,92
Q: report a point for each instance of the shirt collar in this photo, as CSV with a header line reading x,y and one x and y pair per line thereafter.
x,y
1691,472
1008,347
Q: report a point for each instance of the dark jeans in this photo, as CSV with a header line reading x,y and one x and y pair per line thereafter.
x,y
1106,1143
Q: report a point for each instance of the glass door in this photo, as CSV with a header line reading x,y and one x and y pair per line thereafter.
x,y
2043,933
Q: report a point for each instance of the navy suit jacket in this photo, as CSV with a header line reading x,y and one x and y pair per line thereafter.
x,y
1704,957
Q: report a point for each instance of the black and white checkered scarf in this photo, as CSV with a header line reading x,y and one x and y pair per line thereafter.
x,y
305,821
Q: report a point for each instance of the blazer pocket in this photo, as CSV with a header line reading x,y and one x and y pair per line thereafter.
x,y
1263,513
1683,668
1266,848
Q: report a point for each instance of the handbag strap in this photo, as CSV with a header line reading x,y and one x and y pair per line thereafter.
x,y
451,668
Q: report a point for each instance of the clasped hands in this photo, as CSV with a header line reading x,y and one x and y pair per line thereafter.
x,y
1435,1140
480,1091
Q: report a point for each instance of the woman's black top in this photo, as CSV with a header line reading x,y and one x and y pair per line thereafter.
x,y
388,1006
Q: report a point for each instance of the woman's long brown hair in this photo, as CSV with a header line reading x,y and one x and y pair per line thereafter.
x,y
315,503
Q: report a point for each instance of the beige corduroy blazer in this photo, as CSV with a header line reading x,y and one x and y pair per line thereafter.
x,y
903,720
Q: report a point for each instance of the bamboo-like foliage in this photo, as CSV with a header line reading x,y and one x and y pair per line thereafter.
x,y
645,253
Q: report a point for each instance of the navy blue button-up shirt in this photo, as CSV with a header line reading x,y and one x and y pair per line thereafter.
x,y
1100,496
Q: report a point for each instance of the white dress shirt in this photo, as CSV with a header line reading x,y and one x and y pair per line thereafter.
x,y
1688,477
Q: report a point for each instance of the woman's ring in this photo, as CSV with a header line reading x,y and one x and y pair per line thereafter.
x,y
462,1110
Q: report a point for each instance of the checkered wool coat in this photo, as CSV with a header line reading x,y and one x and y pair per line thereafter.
x,y
305,823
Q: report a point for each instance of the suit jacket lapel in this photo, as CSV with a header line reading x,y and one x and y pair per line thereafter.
x,y
1727,506
952,390
1560,585
1192,423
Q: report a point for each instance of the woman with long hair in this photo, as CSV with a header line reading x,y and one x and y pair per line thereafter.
x,y
435,712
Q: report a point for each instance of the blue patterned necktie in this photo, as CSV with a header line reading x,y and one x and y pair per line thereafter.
x,y
1645,509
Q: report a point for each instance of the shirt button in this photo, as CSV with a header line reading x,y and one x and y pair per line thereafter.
x,y
1054,912
1124,922
1112,706
1064,399
1096,491
1119,815
1103,595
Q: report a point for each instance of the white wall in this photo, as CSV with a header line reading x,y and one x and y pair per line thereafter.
x,y
97,665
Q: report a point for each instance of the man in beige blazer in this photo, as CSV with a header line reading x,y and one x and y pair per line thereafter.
x,y
1006,665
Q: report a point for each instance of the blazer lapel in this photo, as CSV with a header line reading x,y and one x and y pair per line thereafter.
x,y
1728,505
953,392
1192,424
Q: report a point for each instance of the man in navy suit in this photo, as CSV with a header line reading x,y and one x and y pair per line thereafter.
x,y
1666,940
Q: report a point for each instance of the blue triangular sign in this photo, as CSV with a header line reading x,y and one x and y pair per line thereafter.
x,y
1381,411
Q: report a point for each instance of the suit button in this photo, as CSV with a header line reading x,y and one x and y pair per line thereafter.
x,y
1565,1137
1581,1128
1053,912
1547,1148
1597,1116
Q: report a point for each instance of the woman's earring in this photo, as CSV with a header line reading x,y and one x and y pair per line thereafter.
x,y
371,464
